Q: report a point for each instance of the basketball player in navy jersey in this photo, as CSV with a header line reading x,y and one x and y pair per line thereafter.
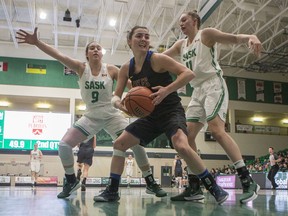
x,y
209,100
85,159
151,70
178,171
96,83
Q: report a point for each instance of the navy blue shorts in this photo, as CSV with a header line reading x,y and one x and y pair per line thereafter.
x,y
167,121
85,155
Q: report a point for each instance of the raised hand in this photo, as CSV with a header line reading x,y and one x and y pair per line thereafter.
x,y
255,45
25,37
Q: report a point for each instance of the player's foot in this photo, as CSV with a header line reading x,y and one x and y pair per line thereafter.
x,y
249,192
189,194
69,188
107,196
156,190
219,194
275,186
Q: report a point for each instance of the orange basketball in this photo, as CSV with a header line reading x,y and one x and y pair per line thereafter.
x,y
138,103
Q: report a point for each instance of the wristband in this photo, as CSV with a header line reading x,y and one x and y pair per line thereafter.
x,y
115,99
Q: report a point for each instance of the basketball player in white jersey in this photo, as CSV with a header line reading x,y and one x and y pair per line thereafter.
x,y
35,163
96,84
129,169
209,100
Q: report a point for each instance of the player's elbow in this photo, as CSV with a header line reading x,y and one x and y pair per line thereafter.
x,y
190,75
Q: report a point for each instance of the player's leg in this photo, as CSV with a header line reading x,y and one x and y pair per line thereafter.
x,y
195,115
128,178
32,174
72,137
194,162
79,169
114,127
36,173
216,105
121,144
85,175
142,160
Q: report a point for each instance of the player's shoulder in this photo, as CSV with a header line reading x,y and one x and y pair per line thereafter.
x,y
112,67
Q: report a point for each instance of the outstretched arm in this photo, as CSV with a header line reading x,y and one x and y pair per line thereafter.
x,y
25,37
211,35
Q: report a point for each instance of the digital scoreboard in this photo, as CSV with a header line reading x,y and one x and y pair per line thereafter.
x,y
21,130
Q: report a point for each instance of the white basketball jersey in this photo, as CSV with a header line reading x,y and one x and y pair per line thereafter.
x,y
35,155
129,163
201,59
96,91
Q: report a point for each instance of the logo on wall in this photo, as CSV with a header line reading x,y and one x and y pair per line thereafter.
x,y
37,124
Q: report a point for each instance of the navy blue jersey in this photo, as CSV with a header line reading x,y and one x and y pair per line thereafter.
x,y
149,78
167,117
178,165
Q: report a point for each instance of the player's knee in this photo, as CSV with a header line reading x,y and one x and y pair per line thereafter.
x,y
120,145
66,154
118,153
181,149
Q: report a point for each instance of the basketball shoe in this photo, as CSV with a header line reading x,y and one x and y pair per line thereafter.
x,y
189,194
107,196
155,189
250,190
69,188
219,194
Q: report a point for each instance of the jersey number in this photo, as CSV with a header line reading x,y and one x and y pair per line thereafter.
x,y
189,65
95,95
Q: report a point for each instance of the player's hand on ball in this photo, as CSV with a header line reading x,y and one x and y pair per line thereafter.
x,y
159,95
122,107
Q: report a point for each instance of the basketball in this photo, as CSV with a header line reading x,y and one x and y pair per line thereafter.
x,y
138,103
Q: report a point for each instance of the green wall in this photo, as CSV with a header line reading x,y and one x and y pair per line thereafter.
x,y
54,77
16,75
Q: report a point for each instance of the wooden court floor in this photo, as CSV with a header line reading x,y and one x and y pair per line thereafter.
x,y
42,201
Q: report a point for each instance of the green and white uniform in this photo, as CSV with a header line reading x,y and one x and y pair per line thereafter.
x,y
210,94
96,92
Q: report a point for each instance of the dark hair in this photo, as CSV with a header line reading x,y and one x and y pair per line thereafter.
x,y
86,49
271,148
131,32
194,15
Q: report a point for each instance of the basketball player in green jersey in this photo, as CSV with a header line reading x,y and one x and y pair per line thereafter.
x,y
96,84
209,101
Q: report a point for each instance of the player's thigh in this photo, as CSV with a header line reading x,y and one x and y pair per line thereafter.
x,y
116,125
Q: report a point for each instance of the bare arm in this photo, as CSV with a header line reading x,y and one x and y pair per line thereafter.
x,y
121,83
25,37
162,63
211,35
114,71
175,49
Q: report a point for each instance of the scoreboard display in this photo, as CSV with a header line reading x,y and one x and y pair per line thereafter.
x,y
21,130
